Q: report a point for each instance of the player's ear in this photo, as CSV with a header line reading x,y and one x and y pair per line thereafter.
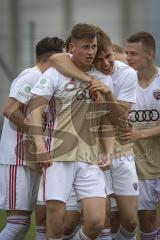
x,y
72,47
152,53
113,48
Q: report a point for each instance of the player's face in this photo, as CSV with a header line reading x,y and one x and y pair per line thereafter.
x,y
137,56
84,51
104,61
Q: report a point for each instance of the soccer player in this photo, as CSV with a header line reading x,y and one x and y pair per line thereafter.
x,y
145,134
18,181
124,176
76,150
40,210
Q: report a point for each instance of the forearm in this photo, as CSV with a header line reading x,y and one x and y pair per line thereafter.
x,y
62,62
148,133
108,136
118,112
35,124
16,117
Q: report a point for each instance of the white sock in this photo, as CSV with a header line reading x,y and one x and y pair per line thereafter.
x,y
80,235
158,233
149,235
70,236
113,235
105,234
80,224
22,234
123,234
16,228
48,238
40,232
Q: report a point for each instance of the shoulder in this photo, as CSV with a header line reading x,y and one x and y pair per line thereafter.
x,y
124,74
123,68
27,76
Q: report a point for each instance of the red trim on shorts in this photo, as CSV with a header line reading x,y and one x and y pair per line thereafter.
x,y
12,186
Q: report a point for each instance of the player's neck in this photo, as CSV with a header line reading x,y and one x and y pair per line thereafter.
x,y
147,75
42,66
81,66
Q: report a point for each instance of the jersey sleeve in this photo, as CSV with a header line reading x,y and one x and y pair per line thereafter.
x,y
127,92
21,87
46,84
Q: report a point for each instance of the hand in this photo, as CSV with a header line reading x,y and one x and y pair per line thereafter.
x,y
127,135
105,162
43,157
97,85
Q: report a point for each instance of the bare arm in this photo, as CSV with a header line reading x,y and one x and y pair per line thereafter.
x,y
108,140
13,113
118,110
35,122
132,135
62,62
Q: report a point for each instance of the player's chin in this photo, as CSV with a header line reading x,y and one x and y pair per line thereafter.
x,y
106,71
89,61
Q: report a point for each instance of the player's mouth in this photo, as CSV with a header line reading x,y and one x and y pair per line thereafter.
x,y
89,59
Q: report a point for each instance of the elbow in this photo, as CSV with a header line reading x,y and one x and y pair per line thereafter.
x,y
6,113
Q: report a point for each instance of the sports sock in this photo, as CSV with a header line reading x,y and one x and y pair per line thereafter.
x,y
16,228
105,234
123,234
149,235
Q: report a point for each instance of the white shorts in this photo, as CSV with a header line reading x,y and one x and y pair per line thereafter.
x,y
149,194
87,179
18,187
72,203
124,176
41,191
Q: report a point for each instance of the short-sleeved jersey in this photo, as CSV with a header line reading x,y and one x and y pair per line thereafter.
x,y
124,88
146,114
78,117
12,141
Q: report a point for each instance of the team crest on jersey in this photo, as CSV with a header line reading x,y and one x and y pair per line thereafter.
x,y
43,81
135,186
156,94
27,89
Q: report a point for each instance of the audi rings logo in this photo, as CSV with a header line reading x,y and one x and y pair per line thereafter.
x,y
144,115
84,94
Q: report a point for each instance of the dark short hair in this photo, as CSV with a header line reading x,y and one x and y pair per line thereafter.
x,y
67,43
103,40
47,46
145,38
82,31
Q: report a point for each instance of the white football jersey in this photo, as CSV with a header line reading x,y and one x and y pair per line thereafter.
x,y
12,141
77,115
